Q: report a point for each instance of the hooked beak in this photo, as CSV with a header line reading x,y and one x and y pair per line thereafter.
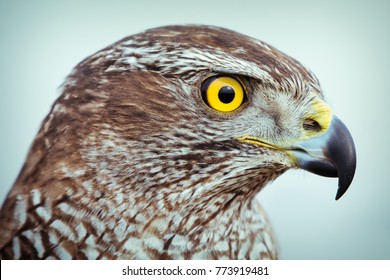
x,y
331,154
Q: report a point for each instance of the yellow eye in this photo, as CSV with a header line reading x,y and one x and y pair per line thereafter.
x,y
222,93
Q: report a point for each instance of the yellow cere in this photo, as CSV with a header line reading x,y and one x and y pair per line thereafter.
x,y
225,94
319,112
322,114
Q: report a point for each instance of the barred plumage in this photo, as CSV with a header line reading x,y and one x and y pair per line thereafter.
x,y
132,164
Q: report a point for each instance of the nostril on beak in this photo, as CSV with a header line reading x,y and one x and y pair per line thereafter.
x,y
311,125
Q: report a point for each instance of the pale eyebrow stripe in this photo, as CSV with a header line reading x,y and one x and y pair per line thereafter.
x,y
261,78
233,72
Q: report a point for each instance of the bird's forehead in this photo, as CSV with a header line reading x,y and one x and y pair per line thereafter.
x,y
186,50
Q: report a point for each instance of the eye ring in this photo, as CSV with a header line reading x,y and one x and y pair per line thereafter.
x,y
223,93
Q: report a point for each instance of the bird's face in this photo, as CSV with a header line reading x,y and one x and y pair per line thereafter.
x,y
287,129
206,105
159,143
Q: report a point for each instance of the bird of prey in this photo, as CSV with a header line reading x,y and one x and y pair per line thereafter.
x,y
158,145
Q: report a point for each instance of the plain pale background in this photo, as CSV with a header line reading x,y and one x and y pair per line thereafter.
x,y
345,43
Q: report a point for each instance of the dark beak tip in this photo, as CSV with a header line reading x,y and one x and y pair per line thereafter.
x,y
343,187
340,193
343,155
345,181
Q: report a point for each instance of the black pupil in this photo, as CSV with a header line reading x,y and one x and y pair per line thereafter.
x,y
226,94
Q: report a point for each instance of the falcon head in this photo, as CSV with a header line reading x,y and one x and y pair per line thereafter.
x,y
204,99
160,142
